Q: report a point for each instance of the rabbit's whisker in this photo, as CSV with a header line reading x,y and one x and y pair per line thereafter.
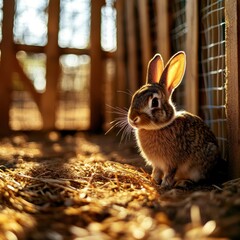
x,y
128,92
120,122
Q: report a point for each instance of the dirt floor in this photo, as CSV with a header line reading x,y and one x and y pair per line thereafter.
x,y
80,186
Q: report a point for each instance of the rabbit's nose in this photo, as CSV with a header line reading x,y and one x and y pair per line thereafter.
x,y
136,120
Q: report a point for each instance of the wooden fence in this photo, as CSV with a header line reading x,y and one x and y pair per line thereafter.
x,y
207,31
47,101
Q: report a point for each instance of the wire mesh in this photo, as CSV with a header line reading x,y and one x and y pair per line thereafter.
x,y
24,114
212,67
109,44
34,66
178,30
30,23
73,111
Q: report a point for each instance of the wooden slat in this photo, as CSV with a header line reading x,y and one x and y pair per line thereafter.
x,y
6,66
233,84
162,24
28,48
121,83
96,79
131,46
41,49
28,84
191,80
49,99
145,36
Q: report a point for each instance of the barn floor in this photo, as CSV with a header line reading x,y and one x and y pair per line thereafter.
x,y
89,187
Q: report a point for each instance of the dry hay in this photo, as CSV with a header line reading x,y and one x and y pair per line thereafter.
x,y
66,188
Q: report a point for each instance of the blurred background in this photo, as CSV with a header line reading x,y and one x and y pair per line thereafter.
x,y
64,62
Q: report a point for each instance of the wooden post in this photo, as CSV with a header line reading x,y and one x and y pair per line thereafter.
x,y
131,46
50,98
6,65
96,81
163,38
191,80
121,83
233,84
145,36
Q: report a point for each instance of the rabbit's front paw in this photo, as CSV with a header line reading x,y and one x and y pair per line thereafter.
x,y
184,183
168,180
157,175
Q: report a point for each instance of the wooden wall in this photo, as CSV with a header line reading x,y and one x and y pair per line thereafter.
x,y
143,28
48,100
233,84
136,45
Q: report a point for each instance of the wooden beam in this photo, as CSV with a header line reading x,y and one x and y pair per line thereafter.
x,y
6,65
145,36
163,35
28,48
50,96
233,84
28,84
121,82
132,71
191,77
96,79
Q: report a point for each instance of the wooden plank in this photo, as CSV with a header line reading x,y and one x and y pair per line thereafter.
x,y
50,98
6,66
96,79
191,77
28,48
132,73
41,49
145,36
162,24
121,83
233,84
28,84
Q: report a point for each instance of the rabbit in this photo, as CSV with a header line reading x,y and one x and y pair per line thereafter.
x,y
179,145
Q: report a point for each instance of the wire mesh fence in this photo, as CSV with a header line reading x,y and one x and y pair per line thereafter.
x,y
212,68
73,110
74,32
24,113
178,30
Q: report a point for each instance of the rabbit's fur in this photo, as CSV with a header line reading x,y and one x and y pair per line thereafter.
x,y
178,145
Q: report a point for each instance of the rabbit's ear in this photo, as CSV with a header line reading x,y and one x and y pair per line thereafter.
x,y
155,69
174,71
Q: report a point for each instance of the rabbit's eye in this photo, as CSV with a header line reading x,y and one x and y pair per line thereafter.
x,y
155,103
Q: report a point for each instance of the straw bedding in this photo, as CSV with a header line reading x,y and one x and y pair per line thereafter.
x,y
80,187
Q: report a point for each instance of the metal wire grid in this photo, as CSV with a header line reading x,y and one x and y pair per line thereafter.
x,y
24,114
212,69
178,41
73,111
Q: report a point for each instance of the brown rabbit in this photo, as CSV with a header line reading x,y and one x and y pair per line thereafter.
x,y
178,145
